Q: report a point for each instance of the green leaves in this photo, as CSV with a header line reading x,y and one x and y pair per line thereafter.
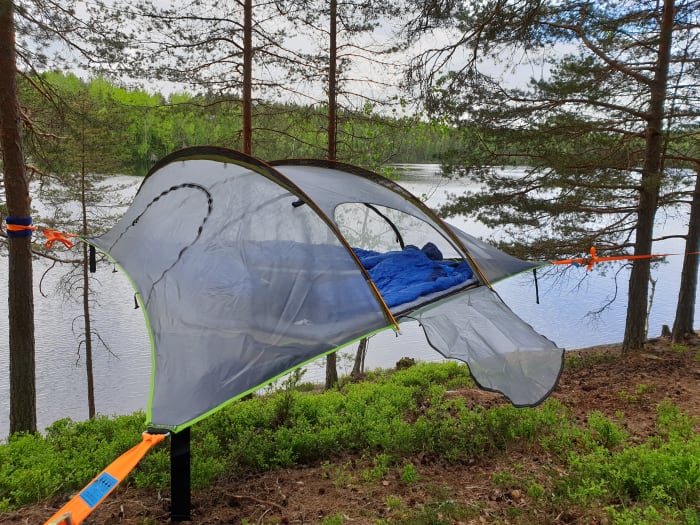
x,y
663,472
65,459
113,130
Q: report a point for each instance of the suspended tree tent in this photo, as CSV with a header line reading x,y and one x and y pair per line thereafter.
x,y
246,270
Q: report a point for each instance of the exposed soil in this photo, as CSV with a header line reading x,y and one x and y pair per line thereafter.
x,y
603,380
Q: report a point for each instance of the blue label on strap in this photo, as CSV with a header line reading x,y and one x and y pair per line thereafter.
x,y
98,489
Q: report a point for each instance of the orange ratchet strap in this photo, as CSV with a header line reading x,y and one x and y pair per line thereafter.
x,y
592,259
51,235
81,505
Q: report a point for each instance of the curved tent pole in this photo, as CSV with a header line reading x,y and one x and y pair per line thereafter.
x,y
267,170
396,188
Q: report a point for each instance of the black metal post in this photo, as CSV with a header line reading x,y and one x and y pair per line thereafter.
x,y
180,493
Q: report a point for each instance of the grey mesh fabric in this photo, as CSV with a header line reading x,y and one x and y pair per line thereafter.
x,y
238,285
503,352
494,263
329,187
342,186
247,271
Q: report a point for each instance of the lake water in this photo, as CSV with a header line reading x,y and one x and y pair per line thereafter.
x,y
122,374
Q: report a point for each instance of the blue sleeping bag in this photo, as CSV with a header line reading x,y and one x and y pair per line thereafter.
x,y
405,275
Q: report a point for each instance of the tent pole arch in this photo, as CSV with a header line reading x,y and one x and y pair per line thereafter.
x,y
267,170
396,188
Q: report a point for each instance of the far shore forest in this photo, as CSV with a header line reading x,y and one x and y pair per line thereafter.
x,y
127,130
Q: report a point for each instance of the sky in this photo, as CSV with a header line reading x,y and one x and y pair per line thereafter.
x,y
370,78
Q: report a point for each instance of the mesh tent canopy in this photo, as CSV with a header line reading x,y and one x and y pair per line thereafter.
x,y
246,270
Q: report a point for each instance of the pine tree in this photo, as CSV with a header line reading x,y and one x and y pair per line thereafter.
x,y
81,127
20,279
338,28
595,129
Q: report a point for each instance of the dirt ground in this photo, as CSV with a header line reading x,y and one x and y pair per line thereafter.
x,y
604,380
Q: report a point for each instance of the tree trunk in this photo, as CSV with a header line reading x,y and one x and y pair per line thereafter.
x,y
20,279
649,189
685,309
248,77
86,294
88,335
331,371
359,366
333,82
331,367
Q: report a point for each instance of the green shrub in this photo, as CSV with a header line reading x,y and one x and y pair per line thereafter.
x,y
65,459
673,423
650,515
410,474
336,519
390,419
450,375
607,433
661,472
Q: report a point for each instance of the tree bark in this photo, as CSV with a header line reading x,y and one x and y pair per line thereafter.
x,y
331,371
248,77
86,290
333,82
685,309
331,367
20,279
359,366
649,188
88,336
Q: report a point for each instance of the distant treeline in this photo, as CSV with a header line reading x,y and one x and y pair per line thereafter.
x,y
133,128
